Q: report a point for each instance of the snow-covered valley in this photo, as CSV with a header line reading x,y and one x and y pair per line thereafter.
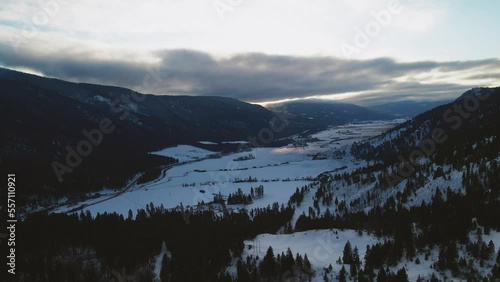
x,y
321,166
279,170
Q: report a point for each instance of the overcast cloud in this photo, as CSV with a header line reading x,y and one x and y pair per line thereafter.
x,y
258,77
258,51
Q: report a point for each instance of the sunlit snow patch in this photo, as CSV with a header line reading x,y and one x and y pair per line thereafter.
x,y
184,153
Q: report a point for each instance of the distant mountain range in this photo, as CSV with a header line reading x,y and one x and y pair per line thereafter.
x,y
41,117
324,113
407,109
466,125
45,120
420,195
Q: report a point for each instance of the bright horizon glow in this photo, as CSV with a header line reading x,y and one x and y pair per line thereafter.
x,y
330,97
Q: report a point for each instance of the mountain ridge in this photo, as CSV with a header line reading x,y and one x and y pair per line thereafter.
x,y
43,121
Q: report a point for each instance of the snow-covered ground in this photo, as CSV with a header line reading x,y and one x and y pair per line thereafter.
x,y
279,170
184,153
159,260
207,142
323,247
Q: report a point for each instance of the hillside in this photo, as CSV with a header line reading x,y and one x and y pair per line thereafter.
x,y
431,185
407,108
43,122
463,124
323,113
351,203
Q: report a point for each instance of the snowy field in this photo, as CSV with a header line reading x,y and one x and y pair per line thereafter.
x,y
184,153
323,247
279,170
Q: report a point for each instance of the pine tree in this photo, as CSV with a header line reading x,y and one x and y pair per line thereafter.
x,y
288,260
343,275
347,257
307,265
382,275
491,249
224,277
441,264
402,276
298,260
355,257
451,256
495,272
165,271
268,264
353,270
242,272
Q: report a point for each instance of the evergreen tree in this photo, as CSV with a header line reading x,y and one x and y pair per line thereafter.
x,y
307,265
343,275
491,249
495,272
441,264
434,278
355,257
241,272
130,215
347,257
402,276
288,261
268,264
223,277
451,256
382,275
298,259
165,271
354,270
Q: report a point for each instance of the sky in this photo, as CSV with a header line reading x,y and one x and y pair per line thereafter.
x,y
364,51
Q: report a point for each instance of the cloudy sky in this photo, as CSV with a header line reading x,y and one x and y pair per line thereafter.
x,y
366,51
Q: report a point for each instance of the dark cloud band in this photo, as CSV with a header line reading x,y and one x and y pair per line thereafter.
x,y
252,77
